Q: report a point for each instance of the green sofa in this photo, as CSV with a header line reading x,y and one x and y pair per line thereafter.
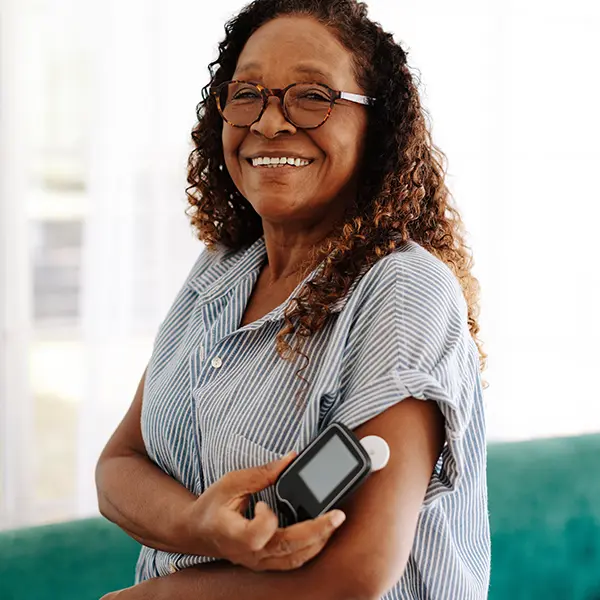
x,y
544,510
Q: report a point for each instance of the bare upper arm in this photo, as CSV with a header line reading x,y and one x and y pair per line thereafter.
x,y
127,437
382,515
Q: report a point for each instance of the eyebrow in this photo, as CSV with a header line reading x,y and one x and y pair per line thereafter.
x,y
300,68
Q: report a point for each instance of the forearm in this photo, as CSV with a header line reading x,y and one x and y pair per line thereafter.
x,y
144,501
223,581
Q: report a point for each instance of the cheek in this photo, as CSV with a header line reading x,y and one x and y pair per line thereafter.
x,y
344,150
231,140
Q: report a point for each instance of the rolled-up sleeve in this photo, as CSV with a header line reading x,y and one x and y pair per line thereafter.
x,y
411,339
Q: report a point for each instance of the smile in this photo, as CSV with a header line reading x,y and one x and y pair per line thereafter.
x,y
278,163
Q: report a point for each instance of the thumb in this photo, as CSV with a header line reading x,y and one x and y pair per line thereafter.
x,y
255,479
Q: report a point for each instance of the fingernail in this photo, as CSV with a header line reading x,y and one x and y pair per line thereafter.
x,y
337,518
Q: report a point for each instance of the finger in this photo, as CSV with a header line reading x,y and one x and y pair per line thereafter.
x,y
255,479
254,534
239,504
290,540
262,528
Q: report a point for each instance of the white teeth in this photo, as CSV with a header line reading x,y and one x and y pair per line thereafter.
x,y
276,161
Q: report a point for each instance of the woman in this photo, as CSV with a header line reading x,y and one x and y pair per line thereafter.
x,y
336,287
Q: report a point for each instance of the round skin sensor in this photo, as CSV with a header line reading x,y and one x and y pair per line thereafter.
x,y
378,451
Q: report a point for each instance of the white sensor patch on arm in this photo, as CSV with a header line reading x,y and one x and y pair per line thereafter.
x,y
379,451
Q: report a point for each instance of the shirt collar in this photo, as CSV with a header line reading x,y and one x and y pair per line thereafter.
x,y
224,274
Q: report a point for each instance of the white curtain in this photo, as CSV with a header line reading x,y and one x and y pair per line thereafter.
x,y
138,245
15,409
513,95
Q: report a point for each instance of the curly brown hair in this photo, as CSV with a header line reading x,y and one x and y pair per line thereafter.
x,y
401,192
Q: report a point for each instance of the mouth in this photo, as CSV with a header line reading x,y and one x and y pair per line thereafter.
x,y
296,165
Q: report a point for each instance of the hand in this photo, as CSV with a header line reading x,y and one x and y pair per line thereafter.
x,y
258,544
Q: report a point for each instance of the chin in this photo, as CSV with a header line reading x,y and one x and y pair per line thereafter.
x,y
275,215
277,209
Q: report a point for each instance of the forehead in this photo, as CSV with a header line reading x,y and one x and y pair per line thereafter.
x,y
295,48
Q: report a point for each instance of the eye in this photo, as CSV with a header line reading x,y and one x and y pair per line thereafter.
x,y
317,96
313,94
245,94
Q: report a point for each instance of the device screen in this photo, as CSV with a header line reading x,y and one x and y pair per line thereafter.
x,y
325,471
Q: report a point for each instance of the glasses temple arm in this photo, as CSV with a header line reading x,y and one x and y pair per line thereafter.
x,y
358,98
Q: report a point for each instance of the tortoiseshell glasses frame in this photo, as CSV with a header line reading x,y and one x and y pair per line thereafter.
x,y
266,93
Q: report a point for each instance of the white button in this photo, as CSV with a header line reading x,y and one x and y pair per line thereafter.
x,y
172,568
216,362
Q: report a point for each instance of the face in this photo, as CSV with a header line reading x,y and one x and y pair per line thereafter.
x,y
283,51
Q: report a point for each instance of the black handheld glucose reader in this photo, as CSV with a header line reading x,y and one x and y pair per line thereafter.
x,y
327,471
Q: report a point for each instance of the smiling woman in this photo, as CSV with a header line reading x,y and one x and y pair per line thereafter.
x,y
319,194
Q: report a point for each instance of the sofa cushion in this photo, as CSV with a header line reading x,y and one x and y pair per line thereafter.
x,y
78,560
544,502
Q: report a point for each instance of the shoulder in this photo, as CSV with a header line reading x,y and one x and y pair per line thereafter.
x,y
205,269
410,308
412,279
210,265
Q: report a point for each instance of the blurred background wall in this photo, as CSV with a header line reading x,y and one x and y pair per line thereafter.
x,y
97,100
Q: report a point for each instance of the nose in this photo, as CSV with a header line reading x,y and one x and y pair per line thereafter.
x,y
273,120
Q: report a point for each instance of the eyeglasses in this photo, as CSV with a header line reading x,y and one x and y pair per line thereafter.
x,y
305,105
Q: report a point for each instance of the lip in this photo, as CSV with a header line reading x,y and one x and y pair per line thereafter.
x,y
286,154
278,169
285,167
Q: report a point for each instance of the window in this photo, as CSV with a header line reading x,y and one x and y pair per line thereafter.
x,y
98,99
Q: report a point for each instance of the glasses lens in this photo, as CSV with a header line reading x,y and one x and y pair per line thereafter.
x,y
307,104
240,103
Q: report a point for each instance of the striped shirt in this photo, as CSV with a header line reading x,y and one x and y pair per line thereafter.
x,y
218,397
